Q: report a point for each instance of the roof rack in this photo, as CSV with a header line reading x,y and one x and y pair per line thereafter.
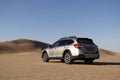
x,y
69,37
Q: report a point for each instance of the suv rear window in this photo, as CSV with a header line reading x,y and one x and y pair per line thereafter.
x,y
85,40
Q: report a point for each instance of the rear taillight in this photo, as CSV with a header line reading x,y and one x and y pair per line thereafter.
x,y
77,45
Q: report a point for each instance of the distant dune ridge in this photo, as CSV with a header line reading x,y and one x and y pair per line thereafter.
x,y
107,52
24,45
21,45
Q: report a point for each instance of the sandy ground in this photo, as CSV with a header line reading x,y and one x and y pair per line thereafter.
x,y
29,66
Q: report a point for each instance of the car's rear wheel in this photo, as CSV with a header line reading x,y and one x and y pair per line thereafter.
x,y
45,57
67,58
88,61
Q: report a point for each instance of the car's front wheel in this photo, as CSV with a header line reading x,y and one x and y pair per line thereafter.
x,y
45,57
67,58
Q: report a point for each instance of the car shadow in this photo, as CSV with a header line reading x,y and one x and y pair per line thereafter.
x,y
94,63
99,63
106,63
56,62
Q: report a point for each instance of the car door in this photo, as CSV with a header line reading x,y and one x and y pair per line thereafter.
x,y
59,50
52,50
64,44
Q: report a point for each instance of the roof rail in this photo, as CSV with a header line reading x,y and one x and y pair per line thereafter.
x,y
69,37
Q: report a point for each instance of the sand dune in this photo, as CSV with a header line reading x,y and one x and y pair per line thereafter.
x,y
26,64
25,45
21,45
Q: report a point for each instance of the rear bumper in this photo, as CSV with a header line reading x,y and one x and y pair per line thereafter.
x,y
86,56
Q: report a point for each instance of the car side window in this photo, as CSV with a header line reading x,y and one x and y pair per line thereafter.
x,y
56,44
68,42
61,43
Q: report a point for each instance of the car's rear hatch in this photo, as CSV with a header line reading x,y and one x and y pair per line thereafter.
x,y
87,46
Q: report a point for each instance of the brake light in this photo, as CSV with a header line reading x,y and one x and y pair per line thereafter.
x,y
77,46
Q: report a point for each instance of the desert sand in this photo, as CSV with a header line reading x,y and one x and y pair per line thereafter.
x,y
29,66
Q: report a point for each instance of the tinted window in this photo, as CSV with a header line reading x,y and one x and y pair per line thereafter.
x,y
62,43
56,44
85,40
67,42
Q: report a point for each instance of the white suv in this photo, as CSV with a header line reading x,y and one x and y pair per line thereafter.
x,y
71,48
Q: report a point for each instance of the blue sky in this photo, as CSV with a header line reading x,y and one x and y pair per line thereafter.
x,y
48,20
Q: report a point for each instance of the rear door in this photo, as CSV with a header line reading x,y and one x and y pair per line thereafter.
x,y
64,44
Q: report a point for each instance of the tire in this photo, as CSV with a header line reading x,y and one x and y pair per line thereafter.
x,y
88,61
45,57
67,58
